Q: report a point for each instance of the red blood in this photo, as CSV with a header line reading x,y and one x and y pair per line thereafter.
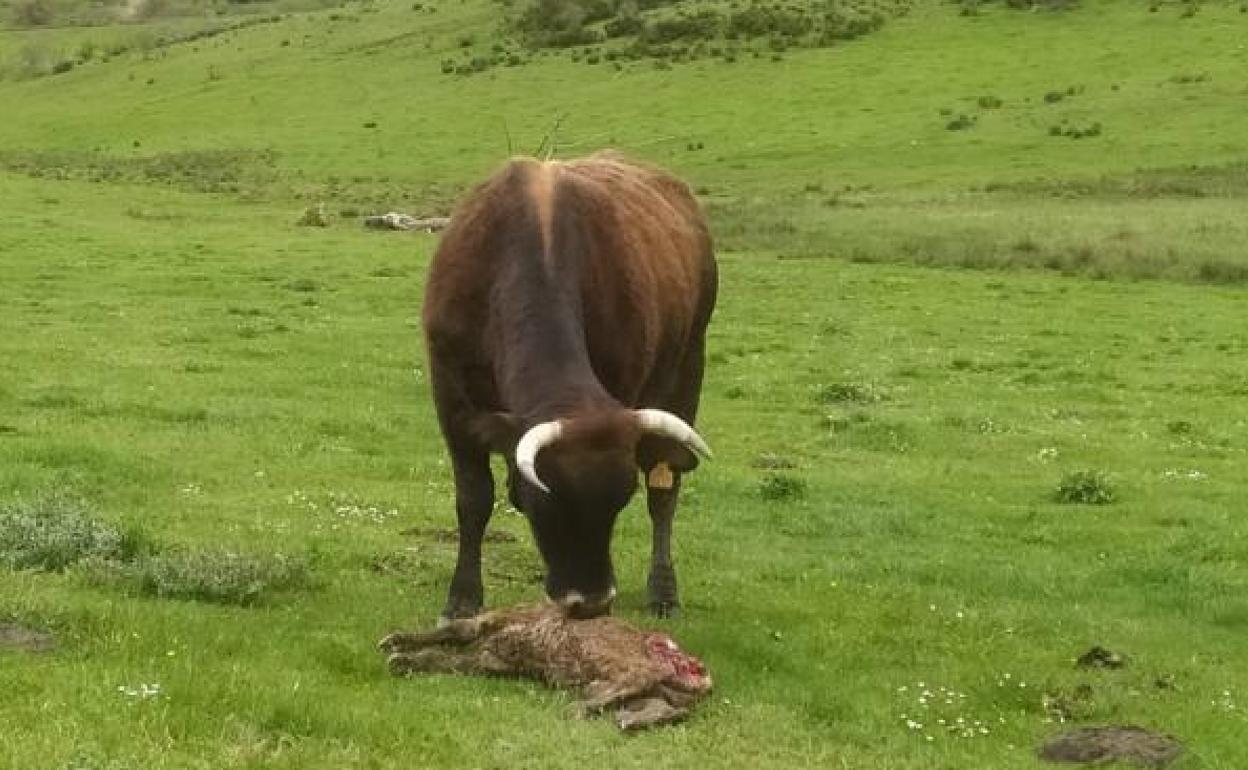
x,y
682,665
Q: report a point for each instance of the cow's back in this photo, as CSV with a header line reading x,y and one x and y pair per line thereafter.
x,y
647,276
618,250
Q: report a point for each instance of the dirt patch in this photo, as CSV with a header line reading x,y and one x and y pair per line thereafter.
x,y
15,637
1102,745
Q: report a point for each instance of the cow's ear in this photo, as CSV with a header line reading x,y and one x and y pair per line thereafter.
x,y
499,431
652,450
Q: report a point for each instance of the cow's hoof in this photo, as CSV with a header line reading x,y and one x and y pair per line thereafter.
x,y
461,609
665,609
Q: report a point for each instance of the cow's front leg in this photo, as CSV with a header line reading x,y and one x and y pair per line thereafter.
x,y
474,501
662,490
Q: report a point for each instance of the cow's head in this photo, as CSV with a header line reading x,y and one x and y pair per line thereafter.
x,y
575,476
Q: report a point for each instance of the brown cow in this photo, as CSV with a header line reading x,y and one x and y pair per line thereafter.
x,y
565,317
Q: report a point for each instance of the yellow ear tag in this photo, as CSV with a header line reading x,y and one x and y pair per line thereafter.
x,y
660,477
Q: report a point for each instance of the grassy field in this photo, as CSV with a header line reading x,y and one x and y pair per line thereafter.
x,y
219,424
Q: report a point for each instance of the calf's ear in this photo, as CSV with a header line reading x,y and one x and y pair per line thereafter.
x,y
500,431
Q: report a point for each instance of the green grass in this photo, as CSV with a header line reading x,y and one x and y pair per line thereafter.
x,y
350,107
166,393
243,401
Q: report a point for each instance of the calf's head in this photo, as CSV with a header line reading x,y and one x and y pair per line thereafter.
x,y
577,475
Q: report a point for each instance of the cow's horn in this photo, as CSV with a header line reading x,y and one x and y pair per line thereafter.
x,y
667,424
541,435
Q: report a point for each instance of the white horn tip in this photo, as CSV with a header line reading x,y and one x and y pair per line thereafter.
x,y
667,424
529,471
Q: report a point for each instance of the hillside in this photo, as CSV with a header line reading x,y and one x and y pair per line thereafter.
x,y
358,93
352,106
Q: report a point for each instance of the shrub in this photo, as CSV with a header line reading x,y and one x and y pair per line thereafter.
x,y
623,26
314,216
33,13
1086,487
847,392
760,21
772,462
702,25
990,102
55,532
561,23
781,486
839,24
961,123
217,575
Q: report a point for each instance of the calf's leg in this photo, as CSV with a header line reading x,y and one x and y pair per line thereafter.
x,y
648,712
432,660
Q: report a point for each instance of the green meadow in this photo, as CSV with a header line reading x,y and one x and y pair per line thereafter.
x,y
976,385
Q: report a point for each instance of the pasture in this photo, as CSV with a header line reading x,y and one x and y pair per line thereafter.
x,y
924,337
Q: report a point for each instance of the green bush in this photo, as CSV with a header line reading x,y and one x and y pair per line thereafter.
x,y
57,533
847,392
781,486
33,13
623,26
53,533
961,123
703,25
216,575
1086,487
761,21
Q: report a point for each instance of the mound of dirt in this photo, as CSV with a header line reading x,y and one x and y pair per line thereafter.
x,y
16,637
1102,745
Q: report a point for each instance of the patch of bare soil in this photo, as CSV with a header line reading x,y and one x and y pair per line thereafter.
x,y
1102,745
16,637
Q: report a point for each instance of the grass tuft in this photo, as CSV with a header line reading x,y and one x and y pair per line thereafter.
x,y
217,575
781,486
848,393
50,534
1086,487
